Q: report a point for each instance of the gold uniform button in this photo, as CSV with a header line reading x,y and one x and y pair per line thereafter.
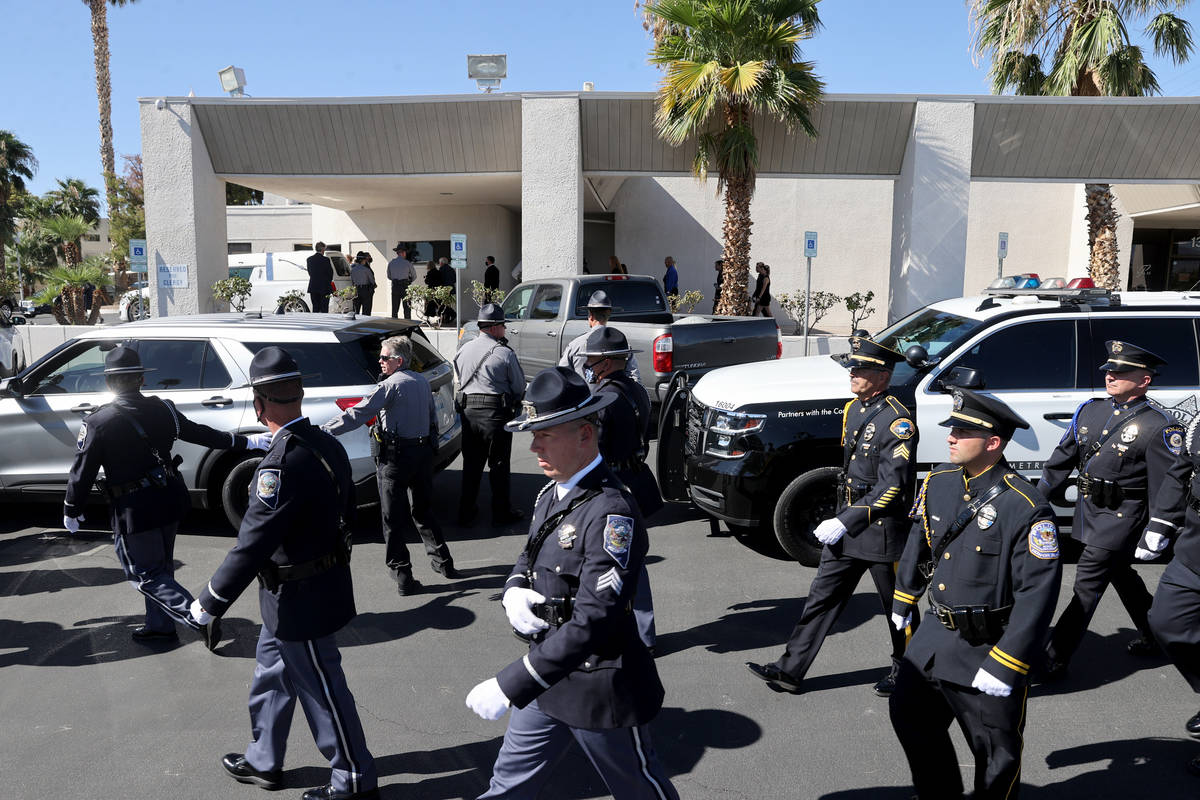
x,y
587,663
558,568
851,458
1102,433
1117,412
966,497
947,556
941,587
1119,514
978,548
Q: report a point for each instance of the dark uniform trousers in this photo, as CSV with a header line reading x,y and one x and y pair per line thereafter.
x,y
1175,619
879,441
363,299
1136,455
148,559
399,295
410,468
999,578
486,442
320,303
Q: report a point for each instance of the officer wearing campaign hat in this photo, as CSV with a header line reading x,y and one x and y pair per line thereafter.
x,y
868,531
624,441
490,386
587,676
131,439
985,547
1122,447
599,309
291,541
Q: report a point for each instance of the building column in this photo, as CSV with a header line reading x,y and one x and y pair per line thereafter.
x,y
551,187
185,208
929,208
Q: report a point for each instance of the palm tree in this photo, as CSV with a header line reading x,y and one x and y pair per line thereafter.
x,y
68,284
1080,48
726,63
73,197
17,165
108,160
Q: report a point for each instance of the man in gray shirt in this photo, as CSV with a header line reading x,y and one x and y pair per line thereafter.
x,y
599,308
405,438
493,384
401,273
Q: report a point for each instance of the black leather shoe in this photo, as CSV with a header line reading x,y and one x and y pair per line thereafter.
x,y
235,764
326,792
1193,726
466,517
887,684
507,517
1142,646
143,634
1053,670
774,676
1194,766
212,634
406,584
446,570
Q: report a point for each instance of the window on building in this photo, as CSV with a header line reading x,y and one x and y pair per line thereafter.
x,y
236,248
91,237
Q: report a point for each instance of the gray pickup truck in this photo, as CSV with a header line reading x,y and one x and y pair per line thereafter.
x,y
545,315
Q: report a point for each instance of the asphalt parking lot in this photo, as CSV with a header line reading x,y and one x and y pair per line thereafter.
x,y
89,713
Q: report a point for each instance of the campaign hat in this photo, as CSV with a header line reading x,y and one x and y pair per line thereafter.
x,y
490,314
557,395
607,341
122,360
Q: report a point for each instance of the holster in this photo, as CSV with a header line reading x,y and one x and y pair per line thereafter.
x,y
975,623
1105,493
273,575
555,612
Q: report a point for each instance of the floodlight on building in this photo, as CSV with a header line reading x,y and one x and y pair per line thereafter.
x,y
233,80
588,86
487,70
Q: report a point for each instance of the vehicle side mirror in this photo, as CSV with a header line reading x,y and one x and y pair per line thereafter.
x,y
916,356
18,319
963,378
11,387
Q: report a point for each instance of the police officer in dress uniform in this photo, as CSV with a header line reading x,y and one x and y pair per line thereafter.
x,y
624,441
1175,613
292,542
131,439
586,676
1123,447
405,440
879,448
599,310
492,383
985,544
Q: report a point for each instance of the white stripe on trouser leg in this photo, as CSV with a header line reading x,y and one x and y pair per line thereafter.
x,y
311,649
645,763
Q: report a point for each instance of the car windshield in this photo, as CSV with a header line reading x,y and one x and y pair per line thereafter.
x,y
937,331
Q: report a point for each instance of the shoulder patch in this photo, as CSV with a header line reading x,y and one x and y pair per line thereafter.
x,y
1043,540
267,487
903,429
82,437
1173,438
618,535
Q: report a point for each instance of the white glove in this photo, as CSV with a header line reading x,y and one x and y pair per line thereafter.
x,y
517,601
487,700
259,441
1155,544
900,623
199,614
988,683
72,523
829,531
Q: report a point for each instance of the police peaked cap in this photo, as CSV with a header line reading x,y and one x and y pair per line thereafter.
x,y
1123,356
557,395
122,360
866,353
606,341
980,412
490,314
599,299
274,365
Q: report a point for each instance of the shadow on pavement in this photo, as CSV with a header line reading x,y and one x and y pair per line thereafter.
x,y
92,641
37,581
34,547
1125,768
1100,660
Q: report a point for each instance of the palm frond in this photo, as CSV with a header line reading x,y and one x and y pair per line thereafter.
x,y
740,80
1125,73
1172,37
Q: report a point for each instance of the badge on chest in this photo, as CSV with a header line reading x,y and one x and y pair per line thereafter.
x,y
986,517
566,536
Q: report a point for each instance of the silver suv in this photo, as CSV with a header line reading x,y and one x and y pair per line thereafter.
x,y
202,363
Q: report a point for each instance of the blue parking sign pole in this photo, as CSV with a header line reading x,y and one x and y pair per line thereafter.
x,y
810,250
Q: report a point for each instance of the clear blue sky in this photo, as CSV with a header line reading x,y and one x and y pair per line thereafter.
x,y
302,48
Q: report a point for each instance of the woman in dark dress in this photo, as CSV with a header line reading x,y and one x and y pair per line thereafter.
x,y
762,291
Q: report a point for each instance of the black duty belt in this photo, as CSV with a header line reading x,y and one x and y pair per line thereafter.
x,y
484,401
1106,493
157,477
974,621
402,441
275,575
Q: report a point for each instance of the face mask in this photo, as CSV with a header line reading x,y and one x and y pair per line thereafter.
x,y
589,374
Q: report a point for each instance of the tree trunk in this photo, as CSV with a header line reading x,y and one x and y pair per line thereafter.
x,y
735,272
97,301
1103,263
60,316
99,9
73,305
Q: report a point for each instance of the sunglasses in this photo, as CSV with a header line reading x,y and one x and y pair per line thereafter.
x,y
388,358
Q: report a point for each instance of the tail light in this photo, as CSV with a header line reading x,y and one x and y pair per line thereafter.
x,y
616,277
778,343
664,358
350,402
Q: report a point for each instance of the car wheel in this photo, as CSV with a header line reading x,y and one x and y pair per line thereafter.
x,y
805,502
139,309
235,490
295,305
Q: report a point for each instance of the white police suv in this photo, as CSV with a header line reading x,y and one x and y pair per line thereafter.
x,y
757,445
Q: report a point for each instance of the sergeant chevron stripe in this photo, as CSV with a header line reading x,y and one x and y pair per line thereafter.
x,y
610,580
901,452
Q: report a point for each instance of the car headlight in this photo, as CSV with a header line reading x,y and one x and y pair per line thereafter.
x,y
725,432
